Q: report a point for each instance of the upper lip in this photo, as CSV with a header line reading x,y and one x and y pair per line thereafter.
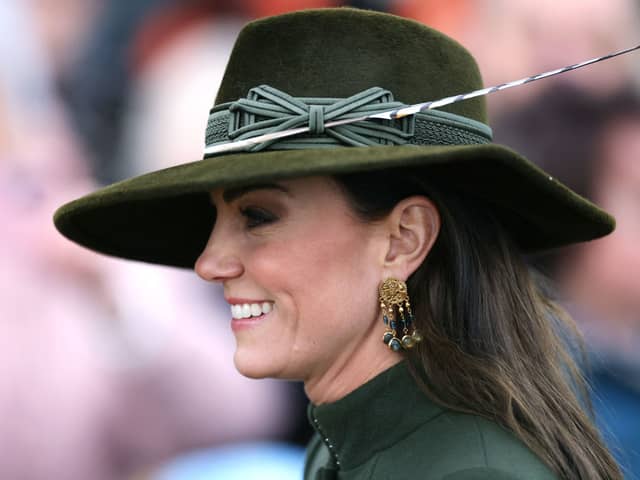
x,y
241,301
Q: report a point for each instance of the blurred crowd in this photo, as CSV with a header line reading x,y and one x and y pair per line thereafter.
x,y
114,370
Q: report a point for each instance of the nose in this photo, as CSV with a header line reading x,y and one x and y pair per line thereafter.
x,y
218,261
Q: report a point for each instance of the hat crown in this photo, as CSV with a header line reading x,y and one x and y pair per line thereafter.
x,y
338,52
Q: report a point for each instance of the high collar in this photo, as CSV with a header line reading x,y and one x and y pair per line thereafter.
x,y
373,417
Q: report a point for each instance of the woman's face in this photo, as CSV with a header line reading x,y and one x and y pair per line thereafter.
x,y
300,272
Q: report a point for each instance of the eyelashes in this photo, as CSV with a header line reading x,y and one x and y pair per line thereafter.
x,y
256,217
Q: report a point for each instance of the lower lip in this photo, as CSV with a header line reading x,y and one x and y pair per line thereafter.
x,y
238,324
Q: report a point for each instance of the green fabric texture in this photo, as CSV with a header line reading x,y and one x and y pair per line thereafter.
x,y
388,429
165,217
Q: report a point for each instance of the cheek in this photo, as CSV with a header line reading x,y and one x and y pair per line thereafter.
x,y
324,278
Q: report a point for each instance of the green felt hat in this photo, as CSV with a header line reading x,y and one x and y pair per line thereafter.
x,y
306,69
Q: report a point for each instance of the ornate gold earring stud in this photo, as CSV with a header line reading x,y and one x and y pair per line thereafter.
x,y
394,296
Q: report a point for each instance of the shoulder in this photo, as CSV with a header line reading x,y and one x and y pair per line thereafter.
x,y
457,446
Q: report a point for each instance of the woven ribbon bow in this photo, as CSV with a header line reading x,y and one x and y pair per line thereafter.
x,y
267,109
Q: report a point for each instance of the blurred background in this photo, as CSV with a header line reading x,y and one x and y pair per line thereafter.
x,y
113,370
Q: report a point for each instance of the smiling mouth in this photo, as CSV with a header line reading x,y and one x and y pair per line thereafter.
x,y
242,311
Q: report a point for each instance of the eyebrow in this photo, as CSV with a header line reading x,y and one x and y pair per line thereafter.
x,y
231,194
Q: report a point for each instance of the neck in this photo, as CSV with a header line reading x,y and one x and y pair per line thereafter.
x,y
347,374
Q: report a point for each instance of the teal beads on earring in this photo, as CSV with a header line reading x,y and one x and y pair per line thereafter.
x,y
395,345
393,293
389,337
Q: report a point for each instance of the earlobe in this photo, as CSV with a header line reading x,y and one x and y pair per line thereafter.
x,y
414,225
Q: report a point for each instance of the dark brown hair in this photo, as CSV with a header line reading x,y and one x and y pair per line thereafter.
x,y
494,344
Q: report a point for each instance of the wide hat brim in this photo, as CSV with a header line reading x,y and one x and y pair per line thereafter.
x,y
165,217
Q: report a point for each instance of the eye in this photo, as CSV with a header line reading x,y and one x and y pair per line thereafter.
x,y
257,217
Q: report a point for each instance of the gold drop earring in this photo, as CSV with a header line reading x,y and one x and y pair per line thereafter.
x,y
394,296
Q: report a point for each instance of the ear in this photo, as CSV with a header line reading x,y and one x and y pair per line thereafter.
x,y
412,228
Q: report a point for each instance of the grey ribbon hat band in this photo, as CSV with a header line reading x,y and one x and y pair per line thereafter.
x,y
267,109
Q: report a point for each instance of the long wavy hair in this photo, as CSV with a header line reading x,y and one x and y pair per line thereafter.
x,y
495,343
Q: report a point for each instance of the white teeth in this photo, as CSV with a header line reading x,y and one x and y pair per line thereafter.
x,y
247,310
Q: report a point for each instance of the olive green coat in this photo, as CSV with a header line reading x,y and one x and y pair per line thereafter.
x,y
388,429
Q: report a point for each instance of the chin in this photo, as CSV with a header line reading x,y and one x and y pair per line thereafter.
x,y
252,365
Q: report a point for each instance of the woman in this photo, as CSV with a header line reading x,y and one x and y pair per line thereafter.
x,y
313,238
